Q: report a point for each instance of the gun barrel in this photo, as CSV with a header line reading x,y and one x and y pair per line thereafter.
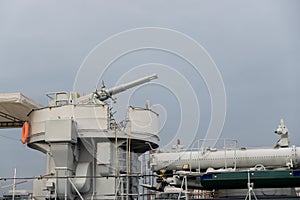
x,y
123,87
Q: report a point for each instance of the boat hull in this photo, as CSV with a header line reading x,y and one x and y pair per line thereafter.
x,y
260,179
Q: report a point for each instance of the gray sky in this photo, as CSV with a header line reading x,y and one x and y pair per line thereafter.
x,y
255,45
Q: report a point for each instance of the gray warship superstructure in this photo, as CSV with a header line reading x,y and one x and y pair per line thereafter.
x,y
89,154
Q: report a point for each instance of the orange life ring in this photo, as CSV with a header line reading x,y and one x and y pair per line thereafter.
x,y
25,132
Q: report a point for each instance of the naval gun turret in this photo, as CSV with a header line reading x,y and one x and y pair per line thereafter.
x,y
62,98
87,156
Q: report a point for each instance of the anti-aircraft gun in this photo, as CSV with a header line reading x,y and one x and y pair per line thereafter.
x,y
62,98
86,157
107,93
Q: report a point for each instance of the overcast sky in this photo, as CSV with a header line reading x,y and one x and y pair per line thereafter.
x,y
255,45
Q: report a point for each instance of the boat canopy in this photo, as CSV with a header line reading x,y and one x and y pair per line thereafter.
x,y
14,109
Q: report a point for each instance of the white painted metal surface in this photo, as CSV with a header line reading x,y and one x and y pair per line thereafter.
x,y
14,109
143,121
216,159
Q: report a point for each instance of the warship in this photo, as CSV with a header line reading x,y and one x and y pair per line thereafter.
x,y
231,172
89,155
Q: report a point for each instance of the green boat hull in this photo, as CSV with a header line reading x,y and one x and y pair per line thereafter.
x,y
260,179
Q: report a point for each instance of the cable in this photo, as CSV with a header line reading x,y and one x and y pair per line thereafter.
x,y
66,177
